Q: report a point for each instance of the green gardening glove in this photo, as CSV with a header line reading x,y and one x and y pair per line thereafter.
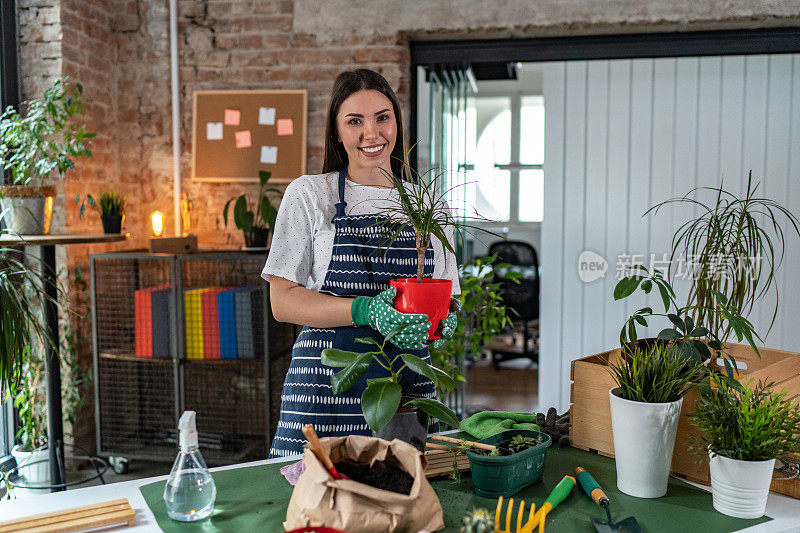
x,y
448,324
379,313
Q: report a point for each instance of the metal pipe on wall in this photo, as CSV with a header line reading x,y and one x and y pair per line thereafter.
x,y
176,114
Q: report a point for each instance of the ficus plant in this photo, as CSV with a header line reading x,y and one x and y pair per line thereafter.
x,y
44,138
259,214
382,396
691,342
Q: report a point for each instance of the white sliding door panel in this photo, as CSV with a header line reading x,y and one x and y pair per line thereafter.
x,y
623,135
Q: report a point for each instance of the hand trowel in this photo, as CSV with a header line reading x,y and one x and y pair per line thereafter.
x,y
592,488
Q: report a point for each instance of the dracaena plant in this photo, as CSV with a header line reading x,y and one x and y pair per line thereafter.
x,y
382,396
259,214
654,374
45,138
736,244
421,204
689,341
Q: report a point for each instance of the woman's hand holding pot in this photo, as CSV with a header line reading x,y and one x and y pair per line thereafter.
x,y
448,324
379,313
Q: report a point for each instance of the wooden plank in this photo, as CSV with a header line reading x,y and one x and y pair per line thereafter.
x,y
75,519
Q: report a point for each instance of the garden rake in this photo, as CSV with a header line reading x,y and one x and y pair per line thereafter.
x,y
535,518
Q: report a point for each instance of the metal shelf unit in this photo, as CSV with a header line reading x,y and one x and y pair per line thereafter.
x,y
146,376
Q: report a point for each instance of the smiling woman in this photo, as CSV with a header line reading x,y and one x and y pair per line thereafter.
x,y
325,274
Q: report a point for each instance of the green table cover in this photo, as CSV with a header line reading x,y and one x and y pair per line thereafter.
x,y
255,499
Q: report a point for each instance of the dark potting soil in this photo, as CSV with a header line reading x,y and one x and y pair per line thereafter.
x,y
380,476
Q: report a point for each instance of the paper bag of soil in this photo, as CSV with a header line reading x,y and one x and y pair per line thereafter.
x,y
319,500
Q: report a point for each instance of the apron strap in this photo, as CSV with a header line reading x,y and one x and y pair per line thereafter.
x,y
342,204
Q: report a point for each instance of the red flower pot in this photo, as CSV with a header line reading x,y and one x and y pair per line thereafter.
x,y
431,297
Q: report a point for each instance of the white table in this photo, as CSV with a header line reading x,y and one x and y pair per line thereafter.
x,y
785,511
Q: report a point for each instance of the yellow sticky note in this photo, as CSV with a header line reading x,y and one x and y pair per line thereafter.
x,y
232,117
243,139
285,126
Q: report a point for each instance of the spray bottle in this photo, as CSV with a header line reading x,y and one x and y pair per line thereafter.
x,y
190,491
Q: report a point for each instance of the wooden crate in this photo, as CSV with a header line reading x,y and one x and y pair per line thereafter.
x,y
590,412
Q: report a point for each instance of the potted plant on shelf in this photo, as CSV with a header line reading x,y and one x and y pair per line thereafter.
x,y
257,219
744,431
33,146
645,407
110,205
387,411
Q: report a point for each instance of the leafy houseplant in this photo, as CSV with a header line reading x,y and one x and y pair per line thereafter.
x,y
421,205
110,205
33,146
383,396
645,408
254,219
744,431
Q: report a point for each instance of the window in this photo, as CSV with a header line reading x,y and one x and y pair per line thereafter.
x,y
505,157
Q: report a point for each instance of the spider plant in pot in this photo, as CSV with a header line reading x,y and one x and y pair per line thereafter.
x,y
389,411
744,429
420,206
35,144
110,205
645,408
257,219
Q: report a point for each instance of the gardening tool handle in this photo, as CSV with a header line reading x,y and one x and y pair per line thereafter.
x,y
561,491
480,445
316,445
440,446
591,486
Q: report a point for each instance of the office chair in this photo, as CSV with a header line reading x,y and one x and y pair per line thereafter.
x,y
522,297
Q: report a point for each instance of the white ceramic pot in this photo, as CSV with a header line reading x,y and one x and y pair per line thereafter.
x,y
740,488
644,436
33,467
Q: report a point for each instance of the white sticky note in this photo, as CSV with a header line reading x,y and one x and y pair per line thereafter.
x,y
266,116
269,154
214,131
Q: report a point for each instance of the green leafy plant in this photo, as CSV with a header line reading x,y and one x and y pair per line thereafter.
x,y
521,442
259,214
45,139
21,293
654,374
736,244
483,314
421,205
747,424
686,339
382,397
110,203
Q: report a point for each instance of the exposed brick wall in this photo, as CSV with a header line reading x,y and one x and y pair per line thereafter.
x,y
119,51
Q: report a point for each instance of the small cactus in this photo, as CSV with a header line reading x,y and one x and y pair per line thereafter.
x,y
478,520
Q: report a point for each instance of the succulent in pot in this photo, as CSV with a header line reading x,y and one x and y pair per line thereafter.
x,y
257,219
385,409
33,145
111,206
744,430
645,409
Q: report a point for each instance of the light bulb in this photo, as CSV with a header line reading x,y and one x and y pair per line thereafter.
x,y
157,221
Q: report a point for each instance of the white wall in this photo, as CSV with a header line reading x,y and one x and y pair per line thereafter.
x,y
623,135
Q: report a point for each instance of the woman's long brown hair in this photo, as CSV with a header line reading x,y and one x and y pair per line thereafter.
x,y
347,83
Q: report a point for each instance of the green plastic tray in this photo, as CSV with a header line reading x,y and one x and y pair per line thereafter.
x,y
507,475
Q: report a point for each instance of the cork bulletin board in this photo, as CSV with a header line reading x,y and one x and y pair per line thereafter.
x,y
235,134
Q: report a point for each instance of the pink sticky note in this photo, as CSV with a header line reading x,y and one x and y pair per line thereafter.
x,y
232,117
243,139
285,126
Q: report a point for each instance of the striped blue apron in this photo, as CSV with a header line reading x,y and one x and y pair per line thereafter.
x,y
359,267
